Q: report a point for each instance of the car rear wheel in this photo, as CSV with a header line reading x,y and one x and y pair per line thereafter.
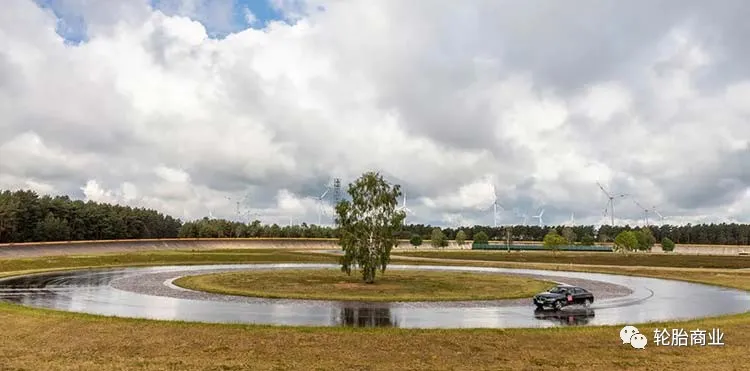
x,y
558,305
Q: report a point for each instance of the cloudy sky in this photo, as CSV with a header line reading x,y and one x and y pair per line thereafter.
x,y
190,106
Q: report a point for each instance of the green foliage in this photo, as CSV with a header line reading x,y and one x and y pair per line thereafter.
x,y
368,225
626,241
569,235
220,228
416,240
667,244
461,238
646,239
437,238
553,241
27,217
481,238
53,228
24,217
588,240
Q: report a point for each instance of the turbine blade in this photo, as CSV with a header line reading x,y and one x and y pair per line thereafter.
x,y
603,190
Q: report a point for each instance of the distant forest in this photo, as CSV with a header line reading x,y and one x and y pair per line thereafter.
x,y
27,217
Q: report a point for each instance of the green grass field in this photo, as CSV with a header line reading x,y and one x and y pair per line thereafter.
x,y
35,339
393,285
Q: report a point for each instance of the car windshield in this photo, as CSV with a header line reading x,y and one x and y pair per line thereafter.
x,y
558,290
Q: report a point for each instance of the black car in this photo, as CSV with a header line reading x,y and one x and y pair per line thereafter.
x,y
563,295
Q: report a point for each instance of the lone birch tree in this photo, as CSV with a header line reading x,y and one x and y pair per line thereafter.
x,y
367,225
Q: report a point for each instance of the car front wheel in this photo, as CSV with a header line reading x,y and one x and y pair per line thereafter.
x,y
587,303
558,305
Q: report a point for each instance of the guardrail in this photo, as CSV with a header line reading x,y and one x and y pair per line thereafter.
x,y
477,246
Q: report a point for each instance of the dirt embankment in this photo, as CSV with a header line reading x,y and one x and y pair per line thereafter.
x,y
118,246
115,246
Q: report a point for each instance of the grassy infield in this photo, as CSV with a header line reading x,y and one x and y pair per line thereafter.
x,y
394,285
39,339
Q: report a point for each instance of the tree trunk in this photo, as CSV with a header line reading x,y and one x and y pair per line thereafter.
x,y
370,268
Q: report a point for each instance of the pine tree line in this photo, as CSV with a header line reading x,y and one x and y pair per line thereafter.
x,y
27,217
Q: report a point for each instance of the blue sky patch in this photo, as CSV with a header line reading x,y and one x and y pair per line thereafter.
x,y
70,26
72,23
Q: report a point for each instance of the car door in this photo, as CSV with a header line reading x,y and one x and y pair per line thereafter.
x,y
579,296
570,297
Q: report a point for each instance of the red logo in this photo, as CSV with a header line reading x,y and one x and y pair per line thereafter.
x,y
570,297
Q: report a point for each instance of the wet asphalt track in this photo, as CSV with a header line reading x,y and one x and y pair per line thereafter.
x,y
148,293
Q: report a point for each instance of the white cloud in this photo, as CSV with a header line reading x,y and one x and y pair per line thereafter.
x,y
602,101
152,110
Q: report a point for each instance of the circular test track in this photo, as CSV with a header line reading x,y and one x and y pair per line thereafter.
x,y
149,293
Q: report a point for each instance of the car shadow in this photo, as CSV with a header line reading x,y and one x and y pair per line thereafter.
x,y
566,316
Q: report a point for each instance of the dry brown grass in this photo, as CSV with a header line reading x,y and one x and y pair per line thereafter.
x,y
36,340
45,340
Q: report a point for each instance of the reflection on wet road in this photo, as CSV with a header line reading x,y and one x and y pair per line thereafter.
x,y
568,317
148,293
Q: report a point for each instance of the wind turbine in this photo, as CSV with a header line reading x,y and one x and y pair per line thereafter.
x,y
520,215
405,209
495,205
541,222
657,213
610,202
320,205
645,211
238,205
572,220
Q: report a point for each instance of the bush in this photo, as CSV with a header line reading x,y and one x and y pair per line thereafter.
x,y
626,241
416,240
553,241
588,240
569,235
438,239
461,238
667,244
646,239
481,238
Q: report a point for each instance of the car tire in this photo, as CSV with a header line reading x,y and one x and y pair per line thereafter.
x,y
587,303
540,307
558,305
